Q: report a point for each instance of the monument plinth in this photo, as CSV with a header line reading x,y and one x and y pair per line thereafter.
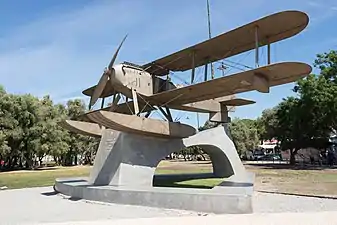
x,y
125,164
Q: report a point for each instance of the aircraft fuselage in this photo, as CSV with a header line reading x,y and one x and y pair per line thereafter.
x,y
127,77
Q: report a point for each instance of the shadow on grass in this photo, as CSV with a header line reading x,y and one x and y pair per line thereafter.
x,y
203,163
172,180
170,183
71,180
288,166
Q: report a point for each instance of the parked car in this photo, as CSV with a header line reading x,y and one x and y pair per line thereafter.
x,y
258,154
248,155
271,157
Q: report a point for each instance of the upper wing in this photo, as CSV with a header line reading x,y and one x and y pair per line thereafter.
x,y
271,29
257,79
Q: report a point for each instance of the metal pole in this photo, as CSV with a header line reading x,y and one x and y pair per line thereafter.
x,y
256,47
209,35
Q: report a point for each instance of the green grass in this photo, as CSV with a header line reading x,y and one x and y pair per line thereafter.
x,y
296,181
46,177
39,178
206,183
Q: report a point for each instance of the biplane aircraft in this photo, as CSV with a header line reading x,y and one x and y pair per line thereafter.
x,y
144,88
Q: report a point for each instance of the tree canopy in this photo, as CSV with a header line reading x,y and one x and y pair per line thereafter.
x,y
29,132
309,118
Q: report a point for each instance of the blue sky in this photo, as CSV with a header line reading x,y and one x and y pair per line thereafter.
x,y
61,47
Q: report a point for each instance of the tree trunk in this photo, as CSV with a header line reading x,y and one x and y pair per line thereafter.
x,y
293,153
20,162
40,161
56,160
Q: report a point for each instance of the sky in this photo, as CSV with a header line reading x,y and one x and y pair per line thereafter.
x,y
60,48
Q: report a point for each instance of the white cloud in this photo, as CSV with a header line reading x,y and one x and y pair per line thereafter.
x,y
314,4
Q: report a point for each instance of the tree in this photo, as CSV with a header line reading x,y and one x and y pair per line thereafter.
x,y
327,63
80,145
308,119
208,125
2,90
244,134
266,124
29,131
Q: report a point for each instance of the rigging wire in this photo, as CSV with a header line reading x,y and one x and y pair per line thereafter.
x,y
243,58
239,64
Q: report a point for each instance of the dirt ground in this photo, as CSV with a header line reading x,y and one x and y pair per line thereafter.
x,y
275,177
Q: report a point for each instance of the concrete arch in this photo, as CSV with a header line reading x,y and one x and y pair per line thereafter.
x,y
218,144
125,159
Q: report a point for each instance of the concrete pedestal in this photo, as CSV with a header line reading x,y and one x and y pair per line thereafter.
x,y
130,160
125,164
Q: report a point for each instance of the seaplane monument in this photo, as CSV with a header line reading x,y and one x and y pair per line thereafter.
x,y
132,143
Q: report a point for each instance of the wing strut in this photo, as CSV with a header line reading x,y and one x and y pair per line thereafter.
x,y
268,53
115,101
164,113
206,68
168,112
193,67
102,104
135,101
256,46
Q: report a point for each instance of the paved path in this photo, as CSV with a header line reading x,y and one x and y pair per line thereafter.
x,y
318,218
39,205
34,205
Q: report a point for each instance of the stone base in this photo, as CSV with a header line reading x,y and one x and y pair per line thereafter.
x,y
233,199
125,164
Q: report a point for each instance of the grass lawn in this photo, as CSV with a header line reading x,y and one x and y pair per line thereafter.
x,y
46,177
38,178
310,181
276,178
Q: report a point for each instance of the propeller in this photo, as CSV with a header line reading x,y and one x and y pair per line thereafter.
x,y
108,73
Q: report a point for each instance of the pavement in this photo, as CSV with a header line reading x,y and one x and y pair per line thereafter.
x,y
43,206
326,218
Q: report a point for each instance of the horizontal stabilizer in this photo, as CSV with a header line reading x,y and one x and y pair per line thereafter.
x,y
237,102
